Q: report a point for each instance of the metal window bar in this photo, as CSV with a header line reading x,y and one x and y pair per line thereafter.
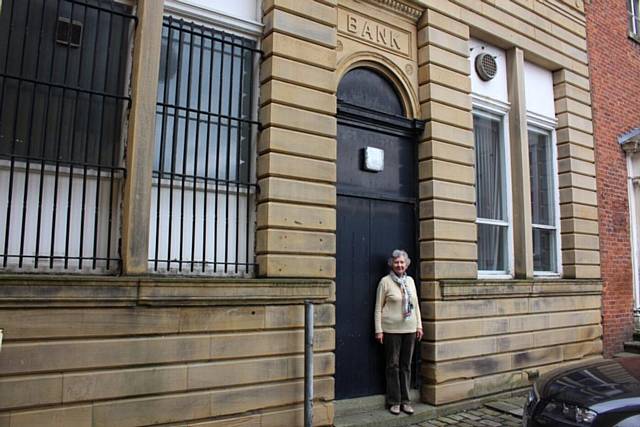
x,y
63,98
203,207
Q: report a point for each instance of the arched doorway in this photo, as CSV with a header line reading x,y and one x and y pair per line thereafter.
x,y
376,213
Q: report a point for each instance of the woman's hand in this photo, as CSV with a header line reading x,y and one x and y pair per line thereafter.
x,y
419,334
380,337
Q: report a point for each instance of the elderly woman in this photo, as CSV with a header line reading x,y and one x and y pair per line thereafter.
x,y
397,326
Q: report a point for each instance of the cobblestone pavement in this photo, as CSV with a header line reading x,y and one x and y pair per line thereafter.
x,y
504,412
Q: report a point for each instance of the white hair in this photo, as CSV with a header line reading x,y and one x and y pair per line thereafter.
x,y
397,253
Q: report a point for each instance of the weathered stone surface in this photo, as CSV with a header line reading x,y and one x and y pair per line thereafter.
x,y
434,73
579,226
447,133
459,329
298,120
299,242
444,209
435,19
447,191
445,95
34,390
297,143
441,38
297,216
310,9
297,96
577,180
432,54
276,265
65,355
230,373
576,151
294,191
582,271
54,417
448,115
445,250
440,229
123,383
446,171
301,27
445,269
294,72
294,167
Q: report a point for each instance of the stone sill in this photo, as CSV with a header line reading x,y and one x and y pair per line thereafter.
x,y
489,289
86,291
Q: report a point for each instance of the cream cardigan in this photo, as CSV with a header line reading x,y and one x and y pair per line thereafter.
x,y
388,316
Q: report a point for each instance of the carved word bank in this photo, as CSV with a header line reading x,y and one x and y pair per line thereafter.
x,y
374,32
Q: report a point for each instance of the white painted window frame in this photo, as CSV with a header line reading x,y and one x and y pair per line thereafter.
x,y
211,16
634,182
491,108
547,125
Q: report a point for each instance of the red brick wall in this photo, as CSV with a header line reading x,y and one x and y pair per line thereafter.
x,y
615,95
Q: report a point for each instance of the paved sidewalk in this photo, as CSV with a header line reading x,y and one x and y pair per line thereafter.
x,y
504,412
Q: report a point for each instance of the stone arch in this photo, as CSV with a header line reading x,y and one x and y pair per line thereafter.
x,y
388,69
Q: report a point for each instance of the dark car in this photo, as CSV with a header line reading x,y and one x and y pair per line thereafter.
x,y
596,394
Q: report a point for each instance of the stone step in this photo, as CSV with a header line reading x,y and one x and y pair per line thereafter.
x,y
626,354
371,412
513,407
366,404
632,347
380,417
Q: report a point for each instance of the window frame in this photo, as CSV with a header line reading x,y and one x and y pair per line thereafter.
x,y
633,12
633,190
547,126
493,109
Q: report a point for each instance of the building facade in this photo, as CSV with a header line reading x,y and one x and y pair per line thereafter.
x,y
182,176
613,48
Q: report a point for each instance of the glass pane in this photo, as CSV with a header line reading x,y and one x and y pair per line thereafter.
x,y
492,247
540,168
544,250
204,103
633,9
489,168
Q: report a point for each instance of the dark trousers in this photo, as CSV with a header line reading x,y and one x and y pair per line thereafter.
x,y
398,349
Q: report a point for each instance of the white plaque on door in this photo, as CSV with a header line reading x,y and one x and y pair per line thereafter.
x,y
373,159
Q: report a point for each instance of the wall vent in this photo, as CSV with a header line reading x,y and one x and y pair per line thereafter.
x,y
486,66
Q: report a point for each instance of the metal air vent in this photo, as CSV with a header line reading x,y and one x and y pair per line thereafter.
x,y
486,66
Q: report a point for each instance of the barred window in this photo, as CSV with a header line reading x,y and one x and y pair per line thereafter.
x,y
63,97
202,213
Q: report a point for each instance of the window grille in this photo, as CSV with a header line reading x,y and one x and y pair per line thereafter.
x,y
202,203
63,99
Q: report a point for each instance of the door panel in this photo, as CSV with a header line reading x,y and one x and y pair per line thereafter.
x,y
397,180
376,214
357,356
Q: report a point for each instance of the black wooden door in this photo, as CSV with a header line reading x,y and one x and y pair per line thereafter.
x,y
376,214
